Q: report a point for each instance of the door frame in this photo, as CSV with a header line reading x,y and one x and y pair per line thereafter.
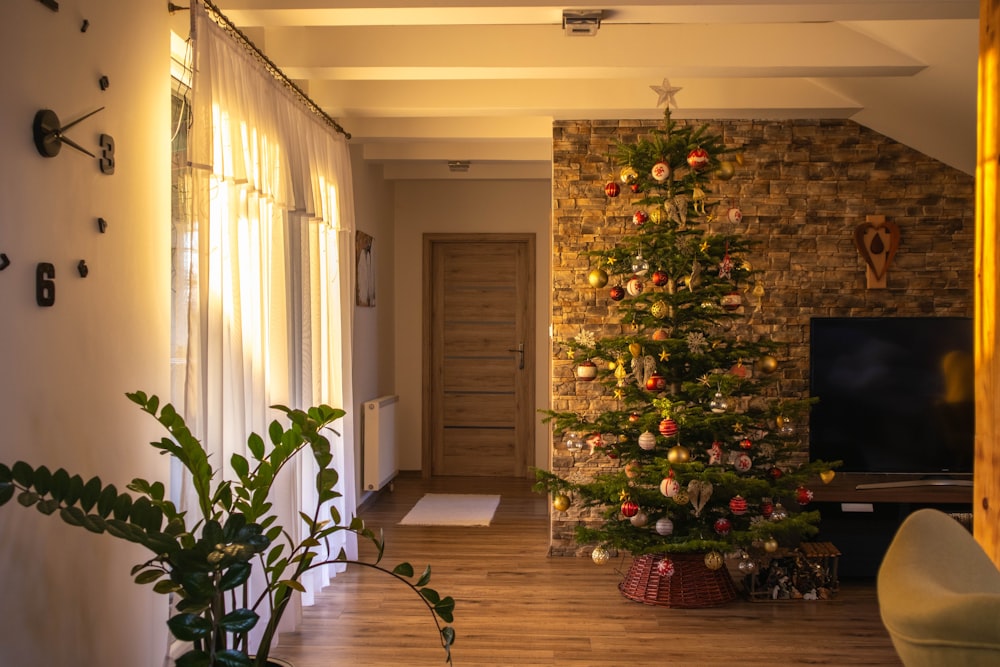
x,y
527,411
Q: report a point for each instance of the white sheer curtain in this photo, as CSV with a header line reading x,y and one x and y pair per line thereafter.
x,y
263,269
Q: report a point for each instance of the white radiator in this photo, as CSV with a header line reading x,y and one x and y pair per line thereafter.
x,y
378,437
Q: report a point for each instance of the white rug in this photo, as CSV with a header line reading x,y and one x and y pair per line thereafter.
x,y
452,509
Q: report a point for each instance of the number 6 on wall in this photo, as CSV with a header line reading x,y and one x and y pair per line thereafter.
x,y
45,285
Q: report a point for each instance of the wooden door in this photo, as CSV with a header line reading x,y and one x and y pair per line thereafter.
x,y
479,376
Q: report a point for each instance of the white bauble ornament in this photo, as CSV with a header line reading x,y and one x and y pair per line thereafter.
x,y
660,172
640,519
735,215
669,487
647,440
664,526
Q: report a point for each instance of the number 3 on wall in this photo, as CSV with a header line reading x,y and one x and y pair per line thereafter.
x,y
45,284
107,159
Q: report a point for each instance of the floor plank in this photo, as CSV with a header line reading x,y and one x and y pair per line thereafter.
x,y
515,605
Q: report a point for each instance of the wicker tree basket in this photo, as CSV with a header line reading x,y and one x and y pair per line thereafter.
x,y
692,585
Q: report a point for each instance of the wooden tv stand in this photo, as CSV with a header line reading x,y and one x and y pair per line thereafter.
x,y
861,522
879,488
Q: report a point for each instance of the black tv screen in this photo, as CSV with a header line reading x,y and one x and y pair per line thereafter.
x,y
895,394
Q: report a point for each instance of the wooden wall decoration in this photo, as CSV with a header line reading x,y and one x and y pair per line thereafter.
x,y
877,240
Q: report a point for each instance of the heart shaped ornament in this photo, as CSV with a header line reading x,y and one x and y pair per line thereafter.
x,y
877,240
699,491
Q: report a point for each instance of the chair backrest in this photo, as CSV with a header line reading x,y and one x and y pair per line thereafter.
x,y
939,594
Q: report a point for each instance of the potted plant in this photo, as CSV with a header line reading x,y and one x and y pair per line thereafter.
x,y
205,557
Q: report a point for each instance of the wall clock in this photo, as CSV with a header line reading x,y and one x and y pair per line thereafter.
x,y
50,134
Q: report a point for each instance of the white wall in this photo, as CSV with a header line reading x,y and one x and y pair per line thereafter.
x,y
463,206
374,373
64,369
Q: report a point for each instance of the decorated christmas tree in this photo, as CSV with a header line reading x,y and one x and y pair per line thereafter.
x,y
702,457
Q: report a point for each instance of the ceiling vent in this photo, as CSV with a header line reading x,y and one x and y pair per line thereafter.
x,y
581,22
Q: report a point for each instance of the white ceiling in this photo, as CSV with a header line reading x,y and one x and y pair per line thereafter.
x,y
483,80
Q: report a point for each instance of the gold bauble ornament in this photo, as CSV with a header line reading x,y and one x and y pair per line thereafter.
x,y
659,309
726,170
600,555
713,560
561,502
598,278
678,454
682,497
628,175
635,349
767,363
827,476
770,545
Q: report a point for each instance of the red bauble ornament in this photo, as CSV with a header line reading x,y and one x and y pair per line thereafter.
x,y
665,568
611,189
723,526
635,187
776,473
803,496
745,444
656,382
766,508
668,427
617,293
738,505
629,509
660,278
586,371
640,218
698,159
633,418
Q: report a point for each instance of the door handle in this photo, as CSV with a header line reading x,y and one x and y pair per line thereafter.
x,y
520,351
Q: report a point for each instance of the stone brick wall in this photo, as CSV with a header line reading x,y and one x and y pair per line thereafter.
x,y
803,188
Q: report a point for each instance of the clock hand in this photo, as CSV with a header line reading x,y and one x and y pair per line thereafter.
x,y
81,118
66,140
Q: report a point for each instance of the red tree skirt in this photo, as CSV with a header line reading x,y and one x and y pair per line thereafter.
x,y
692,584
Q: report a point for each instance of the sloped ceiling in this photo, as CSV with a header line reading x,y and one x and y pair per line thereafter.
x,y
483,81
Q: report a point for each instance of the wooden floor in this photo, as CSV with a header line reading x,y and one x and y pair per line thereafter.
x,y
518,607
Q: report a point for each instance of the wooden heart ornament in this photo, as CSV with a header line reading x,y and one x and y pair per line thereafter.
x,y
877,240
699,491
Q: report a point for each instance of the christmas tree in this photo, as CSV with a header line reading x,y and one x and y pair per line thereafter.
x,y
702,454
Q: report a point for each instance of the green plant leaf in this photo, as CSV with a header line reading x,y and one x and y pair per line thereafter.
x,y
445,609
94,523
189,627
6,492
49,506
74,516
424,578
239,620
60,484
91,492
106,501
403,570
122,507
43,480
27,498
240,465
148,576
5,474
74,490
236,575
294,585
430,595
23,473
165,587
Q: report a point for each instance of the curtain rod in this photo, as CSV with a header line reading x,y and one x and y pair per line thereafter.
x,y
223,22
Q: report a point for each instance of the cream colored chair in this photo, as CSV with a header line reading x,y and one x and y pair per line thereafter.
x,y
939,595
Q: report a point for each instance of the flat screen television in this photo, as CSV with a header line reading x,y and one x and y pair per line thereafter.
x,y
895,395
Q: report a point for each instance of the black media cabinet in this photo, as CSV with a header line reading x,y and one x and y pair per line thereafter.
x,y
862,522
